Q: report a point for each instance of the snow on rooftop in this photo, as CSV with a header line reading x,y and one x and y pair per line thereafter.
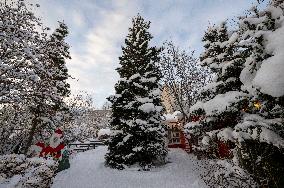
x,y
102,132
174,117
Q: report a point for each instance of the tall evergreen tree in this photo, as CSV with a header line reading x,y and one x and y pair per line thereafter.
x,y
244,104
221,101
58,52
138,136
260,135
46,99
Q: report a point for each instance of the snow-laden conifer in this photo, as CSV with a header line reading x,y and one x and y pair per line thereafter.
x,y
138,136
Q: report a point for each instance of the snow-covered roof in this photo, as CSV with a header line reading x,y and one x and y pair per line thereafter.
x,y
104,132
174,117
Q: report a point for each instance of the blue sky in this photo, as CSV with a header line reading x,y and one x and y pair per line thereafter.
x,y
98,29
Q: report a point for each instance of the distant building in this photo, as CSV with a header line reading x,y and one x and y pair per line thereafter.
x,y
175,126
168,100
104,134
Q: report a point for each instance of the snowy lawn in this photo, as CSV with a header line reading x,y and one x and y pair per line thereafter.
x,y
87,170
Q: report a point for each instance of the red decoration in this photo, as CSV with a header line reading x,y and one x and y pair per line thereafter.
x,y
58,131
48,150
40,144
55,146
224,150
195,118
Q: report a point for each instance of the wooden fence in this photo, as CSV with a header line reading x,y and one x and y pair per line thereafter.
x,y
86,146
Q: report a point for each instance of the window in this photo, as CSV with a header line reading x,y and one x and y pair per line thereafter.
x,y
174,137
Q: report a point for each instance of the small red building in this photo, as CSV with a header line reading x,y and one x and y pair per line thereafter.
x,y
175,126
223,149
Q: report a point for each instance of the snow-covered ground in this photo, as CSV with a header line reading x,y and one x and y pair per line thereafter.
x,y
88,171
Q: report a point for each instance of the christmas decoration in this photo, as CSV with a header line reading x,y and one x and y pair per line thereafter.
x,y
55,146
257,105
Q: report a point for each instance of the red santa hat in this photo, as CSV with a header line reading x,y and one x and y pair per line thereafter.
x,y
58,131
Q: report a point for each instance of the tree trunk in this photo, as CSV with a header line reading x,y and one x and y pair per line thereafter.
x,y
31,135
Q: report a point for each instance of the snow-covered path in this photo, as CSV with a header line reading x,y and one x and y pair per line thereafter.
x,y
88,171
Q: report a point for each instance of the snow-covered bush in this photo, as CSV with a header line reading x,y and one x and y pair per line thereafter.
x,y
261,149
21,172
226,174
14,121
104,133
244,103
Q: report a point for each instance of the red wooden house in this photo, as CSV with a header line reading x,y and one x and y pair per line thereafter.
x,y
176,137
223,149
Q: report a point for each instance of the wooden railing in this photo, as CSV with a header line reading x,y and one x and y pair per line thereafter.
x,y
86,146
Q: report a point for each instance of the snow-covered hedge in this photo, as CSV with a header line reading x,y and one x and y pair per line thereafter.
x,y
226,174
254,127
20,171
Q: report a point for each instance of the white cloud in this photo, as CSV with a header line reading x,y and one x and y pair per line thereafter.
x,y
98,29
95,67
78,19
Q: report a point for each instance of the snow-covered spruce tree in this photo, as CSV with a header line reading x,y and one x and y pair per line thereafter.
x,y
260,135
138,136
14,121
58,53
221,100
46,100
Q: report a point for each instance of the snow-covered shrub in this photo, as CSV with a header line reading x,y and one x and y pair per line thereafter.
x,y
14,123
226,174
263,161
261,149
104,134
21,172
244,103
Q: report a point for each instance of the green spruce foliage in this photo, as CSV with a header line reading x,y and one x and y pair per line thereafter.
x,y
138,136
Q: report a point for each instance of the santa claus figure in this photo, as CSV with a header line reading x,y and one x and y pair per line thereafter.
x,y
56,138
55,145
